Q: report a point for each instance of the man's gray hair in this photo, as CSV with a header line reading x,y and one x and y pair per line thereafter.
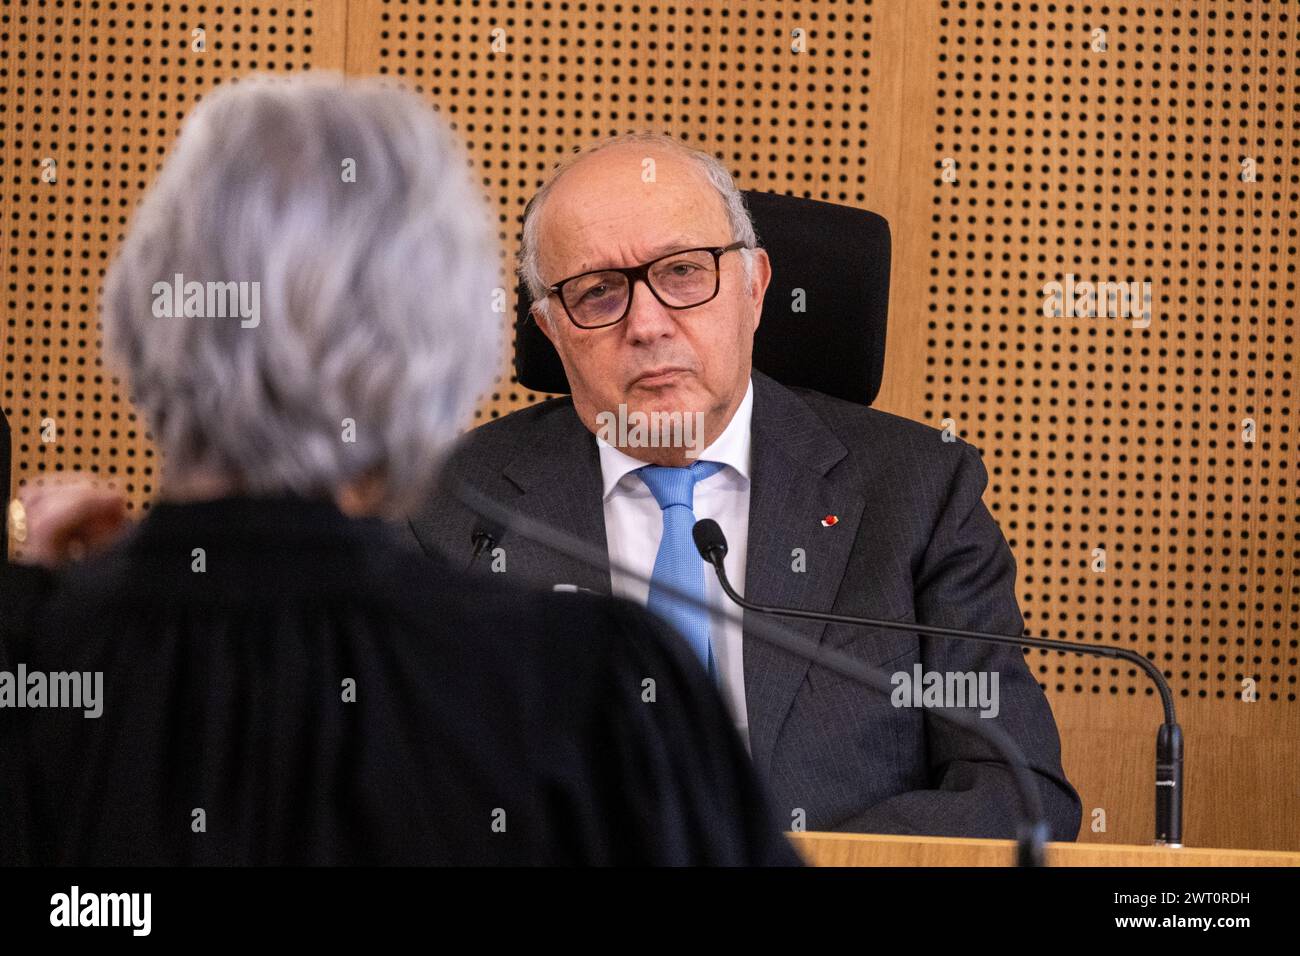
x,y
713,169
353,208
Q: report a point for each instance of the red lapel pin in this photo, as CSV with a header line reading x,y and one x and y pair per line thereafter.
x,y
830,520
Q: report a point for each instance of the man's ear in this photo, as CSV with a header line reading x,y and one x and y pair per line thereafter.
x,y
762,276
543,320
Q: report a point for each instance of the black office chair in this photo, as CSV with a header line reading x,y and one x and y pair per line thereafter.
x,y
838,256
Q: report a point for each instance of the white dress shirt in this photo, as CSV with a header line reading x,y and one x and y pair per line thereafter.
x,y
634,526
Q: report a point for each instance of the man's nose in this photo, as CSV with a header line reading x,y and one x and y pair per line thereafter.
x,y
647,317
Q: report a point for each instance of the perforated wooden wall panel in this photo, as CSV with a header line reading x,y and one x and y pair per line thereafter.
x,y
1118,156
1154,145
1009,144
524,83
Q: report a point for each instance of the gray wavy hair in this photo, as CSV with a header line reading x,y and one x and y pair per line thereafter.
x,y
713,169
376,295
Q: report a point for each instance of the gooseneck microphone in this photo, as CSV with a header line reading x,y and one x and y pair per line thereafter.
x,y
712,545
1032,832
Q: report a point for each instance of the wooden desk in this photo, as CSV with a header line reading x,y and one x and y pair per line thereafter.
x,y
864,849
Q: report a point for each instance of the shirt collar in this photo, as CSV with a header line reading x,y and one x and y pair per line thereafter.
x,y
731,448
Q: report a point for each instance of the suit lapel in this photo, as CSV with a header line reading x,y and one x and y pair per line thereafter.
x,y
559,476
790,494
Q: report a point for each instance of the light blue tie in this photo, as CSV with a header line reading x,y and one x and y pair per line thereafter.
x,y
678,564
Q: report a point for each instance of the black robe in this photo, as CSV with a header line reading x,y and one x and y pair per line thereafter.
x,y
318,694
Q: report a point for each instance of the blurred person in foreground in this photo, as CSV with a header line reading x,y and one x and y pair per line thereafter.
x,y
282,683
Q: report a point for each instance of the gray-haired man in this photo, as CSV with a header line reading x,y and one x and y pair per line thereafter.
x,y
642,265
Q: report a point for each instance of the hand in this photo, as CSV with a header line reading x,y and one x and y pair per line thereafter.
x,y
57,519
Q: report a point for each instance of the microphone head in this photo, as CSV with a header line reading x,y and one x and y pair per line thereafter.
x,y
709,540
486,534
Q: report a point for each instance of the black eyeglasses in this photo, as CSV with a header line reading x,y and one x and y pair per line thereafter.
x,y
680,280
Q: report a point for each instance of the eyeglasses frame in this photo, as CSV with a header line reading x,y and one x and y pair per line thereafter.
x,y
642,273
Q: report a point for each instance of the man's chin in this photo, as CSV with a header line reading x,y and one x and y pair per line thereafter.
x,y
658,423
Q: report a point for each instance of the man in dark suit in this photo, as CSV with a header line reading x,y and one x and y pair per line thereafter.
x,y
643,270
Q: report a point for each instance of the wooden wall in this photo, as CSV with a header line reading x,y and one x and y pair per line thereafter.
x,y
1008,143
